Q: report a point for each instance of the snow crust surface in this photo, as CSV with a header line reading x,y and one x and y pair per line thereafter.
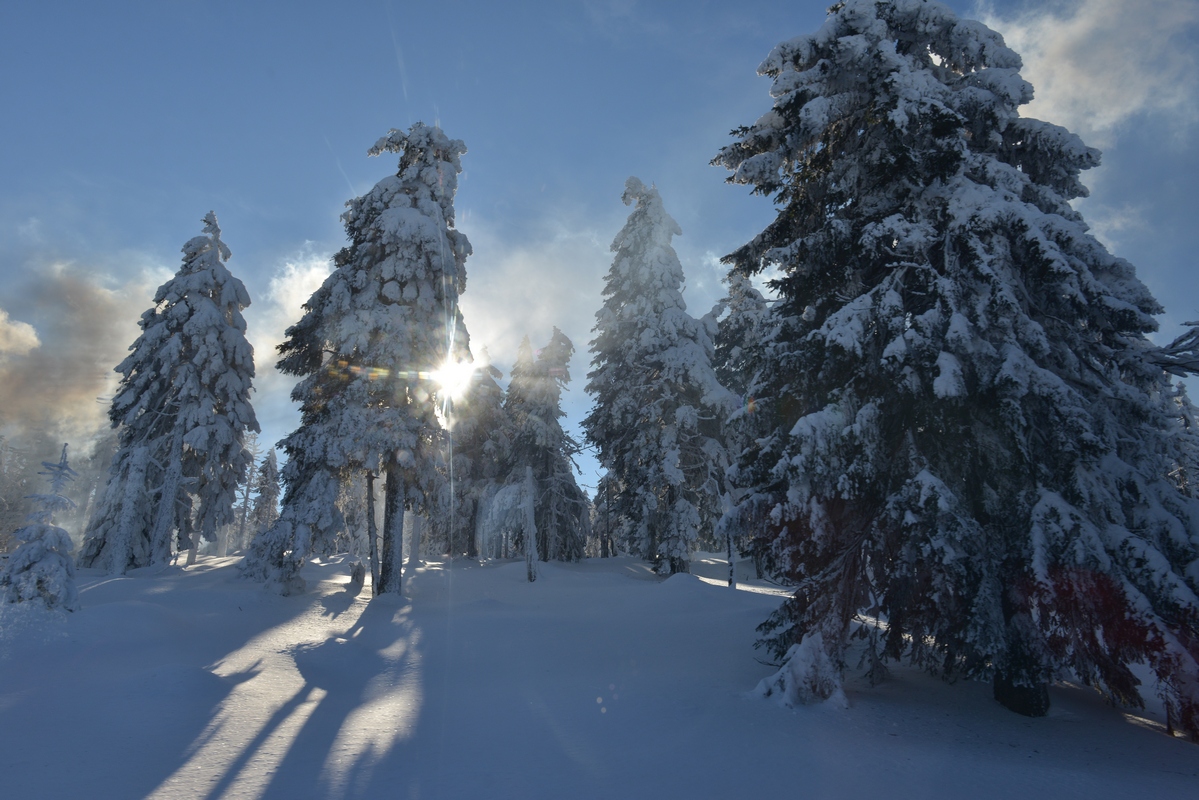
x,y
600,680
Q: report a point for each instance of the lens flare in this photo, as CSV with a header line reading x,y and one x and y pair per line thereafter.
x,y
454,378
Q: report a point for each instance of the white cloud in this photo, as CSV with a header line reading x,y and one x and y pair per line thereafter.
x,y
16,337
1096,64
266,322
292,284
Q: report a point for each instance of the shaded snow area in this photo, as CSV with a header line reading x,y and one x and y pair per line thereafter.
x,y
597,681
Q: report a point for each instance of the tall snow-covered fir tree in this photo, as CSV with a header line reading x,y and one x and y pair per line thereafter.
x,y
366,348
965,436
658,406
41,569
183,408
537,441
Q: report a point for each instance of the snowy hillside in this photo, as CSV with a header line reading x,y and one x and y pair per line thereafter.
x,y
599,680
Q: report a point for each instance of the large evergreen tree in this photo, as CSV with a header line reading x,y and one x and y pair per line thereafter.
x,y
182,411
538,442
966,439
658,405
367,347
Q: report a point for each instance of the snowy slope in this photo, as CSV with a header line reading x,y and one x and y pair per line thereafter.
x,y
597,681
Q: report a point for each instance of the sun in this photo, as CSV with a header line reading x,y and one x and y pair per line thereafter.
x,y
453,378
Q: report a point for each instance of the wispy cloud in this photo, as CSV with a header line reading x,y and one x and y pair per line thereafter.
x,y
1097,64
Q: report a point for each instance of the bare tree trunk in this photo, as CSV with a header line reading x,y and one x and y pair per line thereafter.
x,y
732,559
415,525
530,527
371,531
245,512
392,561
193,536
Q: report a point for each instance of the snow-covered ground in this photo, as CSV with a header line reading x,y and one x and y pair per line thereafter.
x,y
597,681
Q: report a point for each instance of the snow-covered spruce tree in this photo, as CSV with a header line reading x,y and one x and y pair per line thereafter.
x,y
534,408
658,405
371,337
966,439
183,408
41,569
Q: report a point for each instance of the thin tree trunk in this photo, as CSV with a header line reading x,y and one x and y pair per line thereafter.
x,y
245,512
605,551
415,528
392,561
193,536
732,560
371,531
530,527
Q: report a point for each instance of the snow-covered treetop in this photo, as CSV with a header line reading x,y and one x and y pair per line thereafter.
x,y
909,62
428,159
204,260
644,318
649,219
192,344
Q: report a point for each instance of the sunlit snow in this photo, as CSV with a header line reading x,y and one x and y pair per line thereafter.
x,y
600,680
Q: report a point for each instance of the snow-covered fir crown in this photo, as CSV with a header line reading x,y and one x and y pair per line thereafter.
x,y
428,158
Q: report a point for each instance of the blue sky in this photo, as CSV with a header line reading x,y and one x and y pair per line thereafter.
x,y
125,122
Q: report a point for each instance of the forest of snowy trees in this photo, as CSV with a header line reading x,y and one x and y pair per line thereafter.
x,y
927,402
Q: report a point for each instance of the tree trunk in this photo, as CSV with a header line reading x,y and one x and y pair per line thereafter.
x,y
530,526
605,551
728,534
392,561
245,512
371,532
415,527
193,536
472,543
167,515
1030,701
135,486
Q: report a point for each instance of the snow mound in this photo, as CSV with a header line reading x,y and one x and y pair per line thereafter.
x,y
808,676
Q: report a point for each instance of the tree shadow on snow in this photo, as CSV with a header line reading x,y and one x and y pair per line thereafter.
x,y
365,687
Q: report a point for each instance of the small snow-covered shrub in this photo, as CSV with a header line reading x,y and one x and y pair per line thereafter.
x,y
808,676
